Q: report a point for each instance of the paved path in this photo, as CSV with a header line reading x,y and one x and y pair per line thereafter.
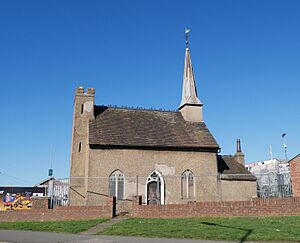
x,y
45,237
102,226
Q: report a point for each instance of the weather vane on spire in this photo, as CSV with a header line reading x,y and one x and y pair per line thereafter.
x,y
187,30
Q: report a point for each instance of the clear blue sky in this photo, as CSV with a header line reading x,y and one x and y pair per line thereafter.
x,y
246,57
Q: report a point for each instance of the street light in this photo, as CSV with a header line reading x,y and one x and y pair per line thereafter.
x,y
284,146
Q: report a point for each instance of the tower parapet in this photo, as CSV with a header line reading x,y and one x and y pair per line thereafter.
x,y
90,91
79,90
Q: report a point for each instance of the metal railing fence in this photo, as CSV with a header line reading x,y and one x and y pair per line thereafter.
x,y
268,185
274,184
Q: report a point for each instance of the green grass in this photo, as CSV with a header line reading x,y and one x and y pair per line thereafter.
x,y
69,226
234,228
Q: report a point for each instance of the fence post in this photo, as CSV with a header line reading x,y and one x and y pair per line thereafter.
x,y
51,192
137,185
219,186
114,206
68,191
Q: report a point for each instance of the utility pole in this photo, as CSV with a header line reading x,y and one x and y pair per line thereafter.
x,y
50,172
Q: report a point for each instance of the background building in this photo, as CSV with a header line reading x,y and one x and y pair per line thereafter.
x,y
273,177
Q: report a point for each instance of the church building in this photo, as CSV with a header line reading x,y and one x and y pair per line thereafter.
x,y
168,157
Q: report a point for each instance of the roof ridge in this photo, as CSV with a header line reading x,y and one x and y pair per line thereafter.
x,y
129,126
136,108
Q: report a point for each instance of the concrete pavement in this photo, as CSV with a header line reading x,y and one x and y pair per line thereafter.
x,y
18,236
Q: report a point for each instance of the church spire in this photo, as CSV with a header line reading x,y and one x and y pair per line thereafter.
x,y
189,90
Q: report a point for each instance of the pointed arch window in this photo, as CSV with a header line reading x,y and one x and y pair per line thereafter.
x,y
187,185
116,184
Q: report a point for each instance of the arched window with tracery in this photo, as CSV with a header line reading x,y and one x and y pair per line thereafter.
x,y
116,184
187,185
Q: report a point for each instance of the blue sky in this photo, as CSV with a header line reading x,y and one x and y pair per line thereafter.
x,y
246,57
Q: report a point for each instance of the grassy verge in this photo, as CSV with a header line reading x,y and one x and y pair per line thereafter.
x,y
69,226
241,229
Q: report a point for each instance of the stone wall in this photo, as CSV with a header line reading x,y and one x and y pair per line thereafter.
x,y
295,175
253,208
170,164
238,190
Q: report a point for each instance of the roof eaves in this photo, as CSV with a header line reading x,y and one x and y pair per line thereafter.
x,y
165,147
241,177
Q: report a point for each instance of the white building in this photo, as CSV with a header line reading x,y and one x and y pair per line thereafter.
x,y
266,166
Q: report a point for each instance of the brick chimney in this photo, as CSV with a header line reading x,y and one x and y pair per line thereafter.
x,y
239,156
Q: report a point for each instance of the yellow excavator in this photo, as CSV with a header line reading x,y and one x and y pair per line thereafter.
x,y
20,202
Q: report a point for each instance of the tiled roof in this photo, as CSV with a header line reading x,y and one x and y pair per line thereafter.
x,y
230,169
147,128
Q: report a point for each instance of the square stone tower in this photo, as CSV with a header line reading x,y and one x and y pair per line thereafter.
x,y
82,114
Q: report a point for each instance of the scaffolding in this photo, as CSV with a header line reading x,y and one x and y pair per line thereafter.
x,y
274,184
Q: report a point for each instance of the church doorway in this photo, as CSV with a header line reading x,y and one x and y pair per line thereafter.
x,y
155,189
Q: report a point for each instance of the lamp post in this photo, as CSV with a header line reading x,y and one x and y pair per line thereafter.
x,y
284,146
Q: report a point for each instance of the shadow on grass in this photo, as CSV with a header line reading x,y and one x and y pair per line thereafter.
x,y
247,231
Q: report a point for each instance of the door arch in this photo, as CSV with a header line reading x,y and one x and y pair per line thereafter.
x,y
155,188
